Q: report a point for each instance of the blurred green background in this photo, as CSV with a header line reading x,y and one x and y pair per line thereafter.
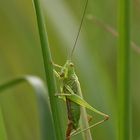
x,y
94,57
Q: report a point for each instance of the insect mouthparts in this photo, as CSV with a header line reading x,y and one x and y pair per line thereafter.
x,y
71,64
62,74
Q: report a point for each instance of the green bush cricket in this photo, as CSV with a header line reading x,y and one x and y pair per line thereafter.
x,y
69,91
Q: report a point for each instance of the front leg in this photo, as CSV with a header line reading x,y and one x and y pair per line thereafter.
x,y
56,65
62,94
56,74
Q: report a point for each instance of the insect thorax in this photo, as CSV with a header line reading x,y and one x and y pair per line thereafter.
x,y
72,83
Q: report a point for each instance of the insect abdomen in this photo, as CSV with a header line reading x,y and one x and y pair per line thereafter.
x,y
73,113
73,108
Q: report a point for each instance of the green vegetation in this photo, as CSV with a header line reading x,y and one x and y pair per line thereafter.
x,y
103,64
48,69
42,104
124,71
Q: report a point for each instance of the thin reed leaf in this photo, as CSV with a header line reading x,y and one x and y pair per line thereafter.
x,y
48,70
123,71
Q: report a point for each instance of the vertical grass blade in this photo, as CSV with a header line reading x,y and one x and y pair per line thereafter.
x,y
3,135
123,71
48,69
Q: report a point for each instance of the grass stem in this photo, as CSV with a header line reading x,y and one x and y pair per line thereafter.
x,y
48,69
124,71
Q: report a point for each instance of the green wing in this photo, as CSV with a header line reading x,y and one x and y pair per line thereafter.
x,y
80,101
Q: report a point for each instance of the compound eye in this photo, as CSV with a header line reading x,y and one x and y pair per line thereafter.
x,y
71,64
62,74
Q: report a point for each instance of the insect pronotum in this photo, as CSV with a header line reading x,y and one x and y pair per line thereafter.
x,y
70,89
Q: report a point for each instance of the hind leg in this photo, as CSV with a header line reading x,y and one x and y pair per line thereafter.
x,y
69,129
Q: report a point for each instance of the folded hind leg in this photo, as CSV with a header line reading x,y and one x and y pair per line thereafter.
x,y
69,130
98,123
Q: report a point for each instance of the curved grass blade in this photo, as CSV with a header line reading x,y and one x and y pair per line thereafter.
x,y
43,103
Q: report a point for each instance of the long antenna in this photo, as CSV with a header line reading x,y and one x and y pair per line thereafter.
x,y
86,3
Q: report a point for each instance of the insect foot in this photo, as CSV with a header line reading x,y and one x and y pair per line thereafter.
x,y
106,117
